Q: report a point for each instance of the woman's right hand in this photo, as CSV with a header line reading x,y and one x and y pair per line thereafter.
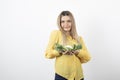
x,y
67,53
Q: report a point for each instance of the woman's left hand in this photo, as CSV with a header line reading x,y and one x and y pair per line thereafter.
x,y
76,52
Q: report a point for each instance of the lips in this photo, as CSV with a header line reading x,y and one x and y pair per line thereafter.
x,y
66,27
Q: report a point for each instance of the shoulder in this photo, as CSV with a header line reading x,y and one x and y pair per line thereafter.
x,y
80,37
55,32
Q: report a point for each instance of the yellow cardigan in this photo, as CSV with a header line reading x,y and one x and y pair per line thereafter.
x,y
68,66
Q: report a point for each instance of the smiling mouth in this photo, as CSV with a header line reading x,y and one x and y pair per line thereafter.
x,y
66,27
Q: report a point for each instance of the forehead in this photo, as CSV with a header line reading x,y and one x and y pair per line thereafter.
x,y
65,18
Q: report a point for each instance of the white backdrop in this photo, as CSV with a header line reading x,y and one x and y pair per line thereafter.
x,y
25,26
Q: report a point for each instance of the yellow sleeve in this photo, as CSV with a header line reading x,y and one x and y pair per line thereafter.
x,y
83,55
50,51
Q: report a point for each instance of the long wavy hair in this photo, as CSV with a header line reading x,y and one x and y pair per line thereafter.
x,y
73,31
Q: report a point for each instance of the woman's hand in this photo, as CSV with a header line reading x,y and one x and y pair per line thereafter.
x,y
76,52
70,52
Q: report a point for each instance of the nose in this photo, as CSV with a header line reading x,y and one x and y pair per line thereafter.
x,y
66,24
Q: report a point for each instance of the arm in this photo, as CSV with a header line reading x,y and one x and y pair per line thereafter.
x,y
50,51
83,54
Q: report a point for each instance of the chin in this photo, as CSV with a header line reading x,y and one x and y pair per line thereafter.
x,y
67,30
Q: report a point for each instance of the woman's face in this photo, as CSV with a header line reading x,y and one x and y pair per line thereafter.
x,y
66,23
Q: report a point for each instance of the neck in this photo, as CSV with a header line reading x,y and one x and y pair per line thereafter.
x,y
68,33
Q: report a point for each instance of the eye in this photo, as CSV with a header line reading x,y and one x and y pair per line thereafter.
x,y
62,21
69,21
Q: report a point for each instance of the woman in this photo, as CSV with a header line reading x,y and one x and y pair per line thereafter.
x,y
68,64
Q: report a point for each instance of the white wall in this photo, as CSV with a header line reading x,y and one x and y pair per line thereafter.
x,y
25,26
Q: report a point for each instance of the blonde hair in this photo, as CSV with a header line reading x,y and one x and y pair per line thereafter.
x,y
73,32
